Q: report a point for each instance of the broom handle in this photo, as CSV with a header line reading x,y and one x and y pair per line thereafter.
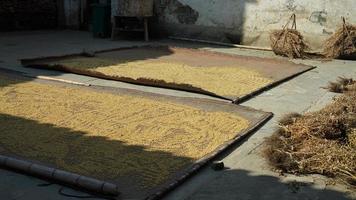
x,y
347,32
294,22
294,25
286,26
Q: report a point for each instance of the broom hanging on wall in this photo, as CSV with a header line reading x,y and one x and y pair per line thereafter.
x,y
342,43
288,41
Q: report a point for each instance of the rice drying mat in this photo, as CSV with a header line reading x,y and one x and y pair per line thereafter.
x,y
144,144
221,75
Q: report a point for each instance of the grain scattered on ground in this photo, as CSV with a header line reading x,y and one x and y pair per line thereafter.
x,y
220,80
106,135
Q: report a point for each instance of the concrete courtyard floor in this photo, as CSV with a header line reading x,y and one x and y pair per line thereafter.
x,y
247,176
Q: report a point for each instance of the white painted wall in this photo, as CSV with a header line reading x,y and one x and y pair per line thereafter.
x,y
254,19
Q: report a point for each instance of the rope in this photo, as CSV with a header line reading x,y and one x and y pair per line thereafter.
x,y
44,184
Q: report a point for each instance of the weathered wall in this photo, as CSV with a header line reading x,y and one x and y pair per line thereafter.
x,y
250,21
39,14
27,14
72,13
129,8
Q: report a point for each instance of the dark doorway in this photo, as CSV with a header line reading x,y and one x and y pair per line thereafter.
x,y
28,14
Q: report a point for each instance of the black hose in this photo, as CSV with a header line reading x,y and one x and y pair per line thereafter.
x,y
60,191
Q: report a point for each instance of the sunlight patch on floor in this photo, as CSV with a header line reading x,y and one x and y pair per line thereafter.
x,y
105,135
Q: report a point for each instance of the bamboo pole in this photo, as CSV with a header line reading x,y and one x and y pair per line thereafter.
x,y
221,43
233,45
67,178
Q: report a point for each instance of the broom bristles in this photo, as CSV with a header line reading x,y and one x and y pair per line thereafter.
x,y
342,43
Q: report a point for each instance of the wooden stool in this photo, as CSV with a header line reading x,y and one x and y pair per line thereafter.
x,y
129,24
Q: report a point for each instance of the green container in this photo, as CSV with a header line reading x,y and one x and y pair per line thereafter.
x,y
101,20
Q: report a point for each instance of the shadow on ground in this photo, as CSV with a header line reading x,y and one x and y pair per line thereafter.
x,y
243,185
100,157
135,169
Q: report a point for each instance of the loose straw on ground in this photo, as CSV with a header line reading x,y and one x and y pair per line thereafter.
x,y
322,142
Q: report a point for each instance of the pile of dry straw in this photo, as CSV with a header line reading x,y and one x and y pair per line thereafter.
x,y
342,44
322,142
288,41
342,85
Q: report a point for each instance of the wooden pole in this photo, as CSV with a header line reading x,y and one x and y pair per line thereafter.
x,y
145,22
71,179
221,43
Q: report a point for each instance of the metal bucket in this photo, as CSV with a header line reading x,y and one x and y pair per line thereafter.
x,y
134,8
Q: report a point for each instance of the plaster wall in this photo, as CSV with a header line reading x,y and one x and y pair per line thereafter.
x,y
250,21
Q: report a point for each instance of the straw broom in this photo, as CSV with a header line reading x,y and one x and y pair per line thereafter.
x,y
342,43
288,41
